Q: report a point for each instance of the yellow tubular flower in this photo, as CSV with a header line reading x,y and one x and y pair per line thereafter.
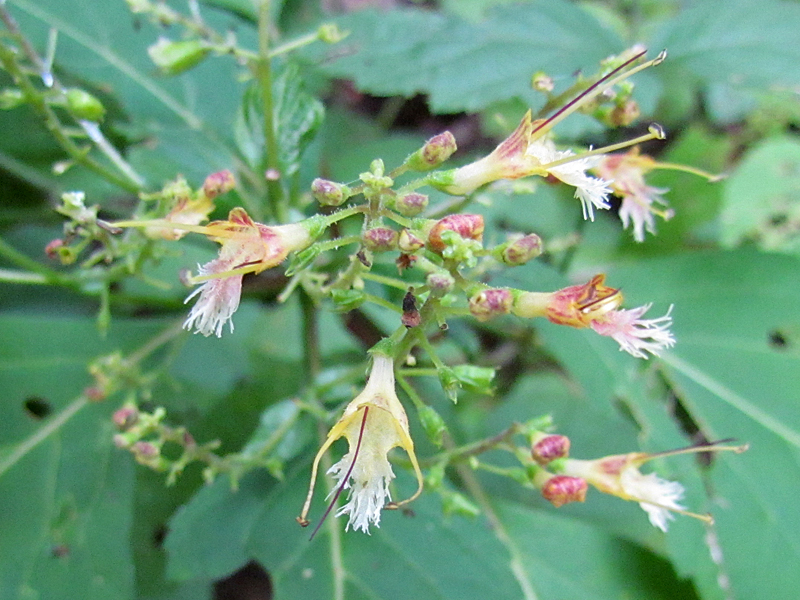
x,y
373,423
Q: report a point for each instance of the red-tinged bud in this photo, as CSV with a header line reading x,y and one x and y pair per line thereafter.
x,y
549,448
435,151
380,239
490,303
409,241
467,226
410,205
218,183
440,283
145,450
521,250
563,489
95,393
329,193
52,248
125,417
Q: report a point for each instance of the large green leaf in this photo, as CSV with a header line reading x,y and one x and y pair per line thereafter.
x,y
66,504
735,42
405,52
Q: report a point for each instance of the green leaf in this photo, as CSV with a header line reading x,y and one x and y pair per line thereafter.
x,y
107,50
761,198
736,369
732,41
297,117
456,63
67,502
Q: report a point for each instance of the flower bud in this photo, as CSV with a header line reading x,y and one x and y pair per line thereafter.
x,y
450,384
542,82
467,226
411,205
330,33
435,151
433,424
490,303
476,379
409,242
563,489
519,251
454,503
125,417
329,193
11,98
173,58
347,300
550,447
218,183
440,283
83,105
380,239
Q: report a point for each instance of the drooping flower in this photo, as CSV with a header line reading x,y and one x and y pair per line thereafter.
x,y
529,152
374,422
620,476
640,202
597,305
246,247
523,154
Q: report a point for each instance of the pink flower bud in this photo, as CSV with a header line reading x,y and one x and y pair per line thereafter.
x,y
520,251
125,417
380,239
411,205
53,247
549,448
467,226
563,489
218,183
329,193
490,303
435,151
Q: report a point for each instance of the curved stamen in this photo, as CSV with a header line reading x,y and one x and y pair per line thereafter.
x,y
346,478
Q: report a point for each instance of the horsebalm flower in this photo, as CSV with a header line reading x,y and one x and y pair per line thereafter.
x,y
528,151
373,423
596,305
246,247
639,200
619,475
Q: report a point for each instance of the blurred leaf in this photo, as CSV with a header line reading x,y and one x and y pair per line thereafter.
x,y
456,63
736,370
106,49
724,41
761,198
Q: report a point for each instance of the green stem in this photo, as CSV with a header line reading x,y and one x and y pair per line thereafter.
x,y
304,40
9,276
264,77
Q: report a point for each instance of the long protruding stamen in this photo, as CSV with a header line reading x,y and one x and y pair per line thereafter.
x,y
346,478
693,170
212,232
607,81
710,447
655,132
